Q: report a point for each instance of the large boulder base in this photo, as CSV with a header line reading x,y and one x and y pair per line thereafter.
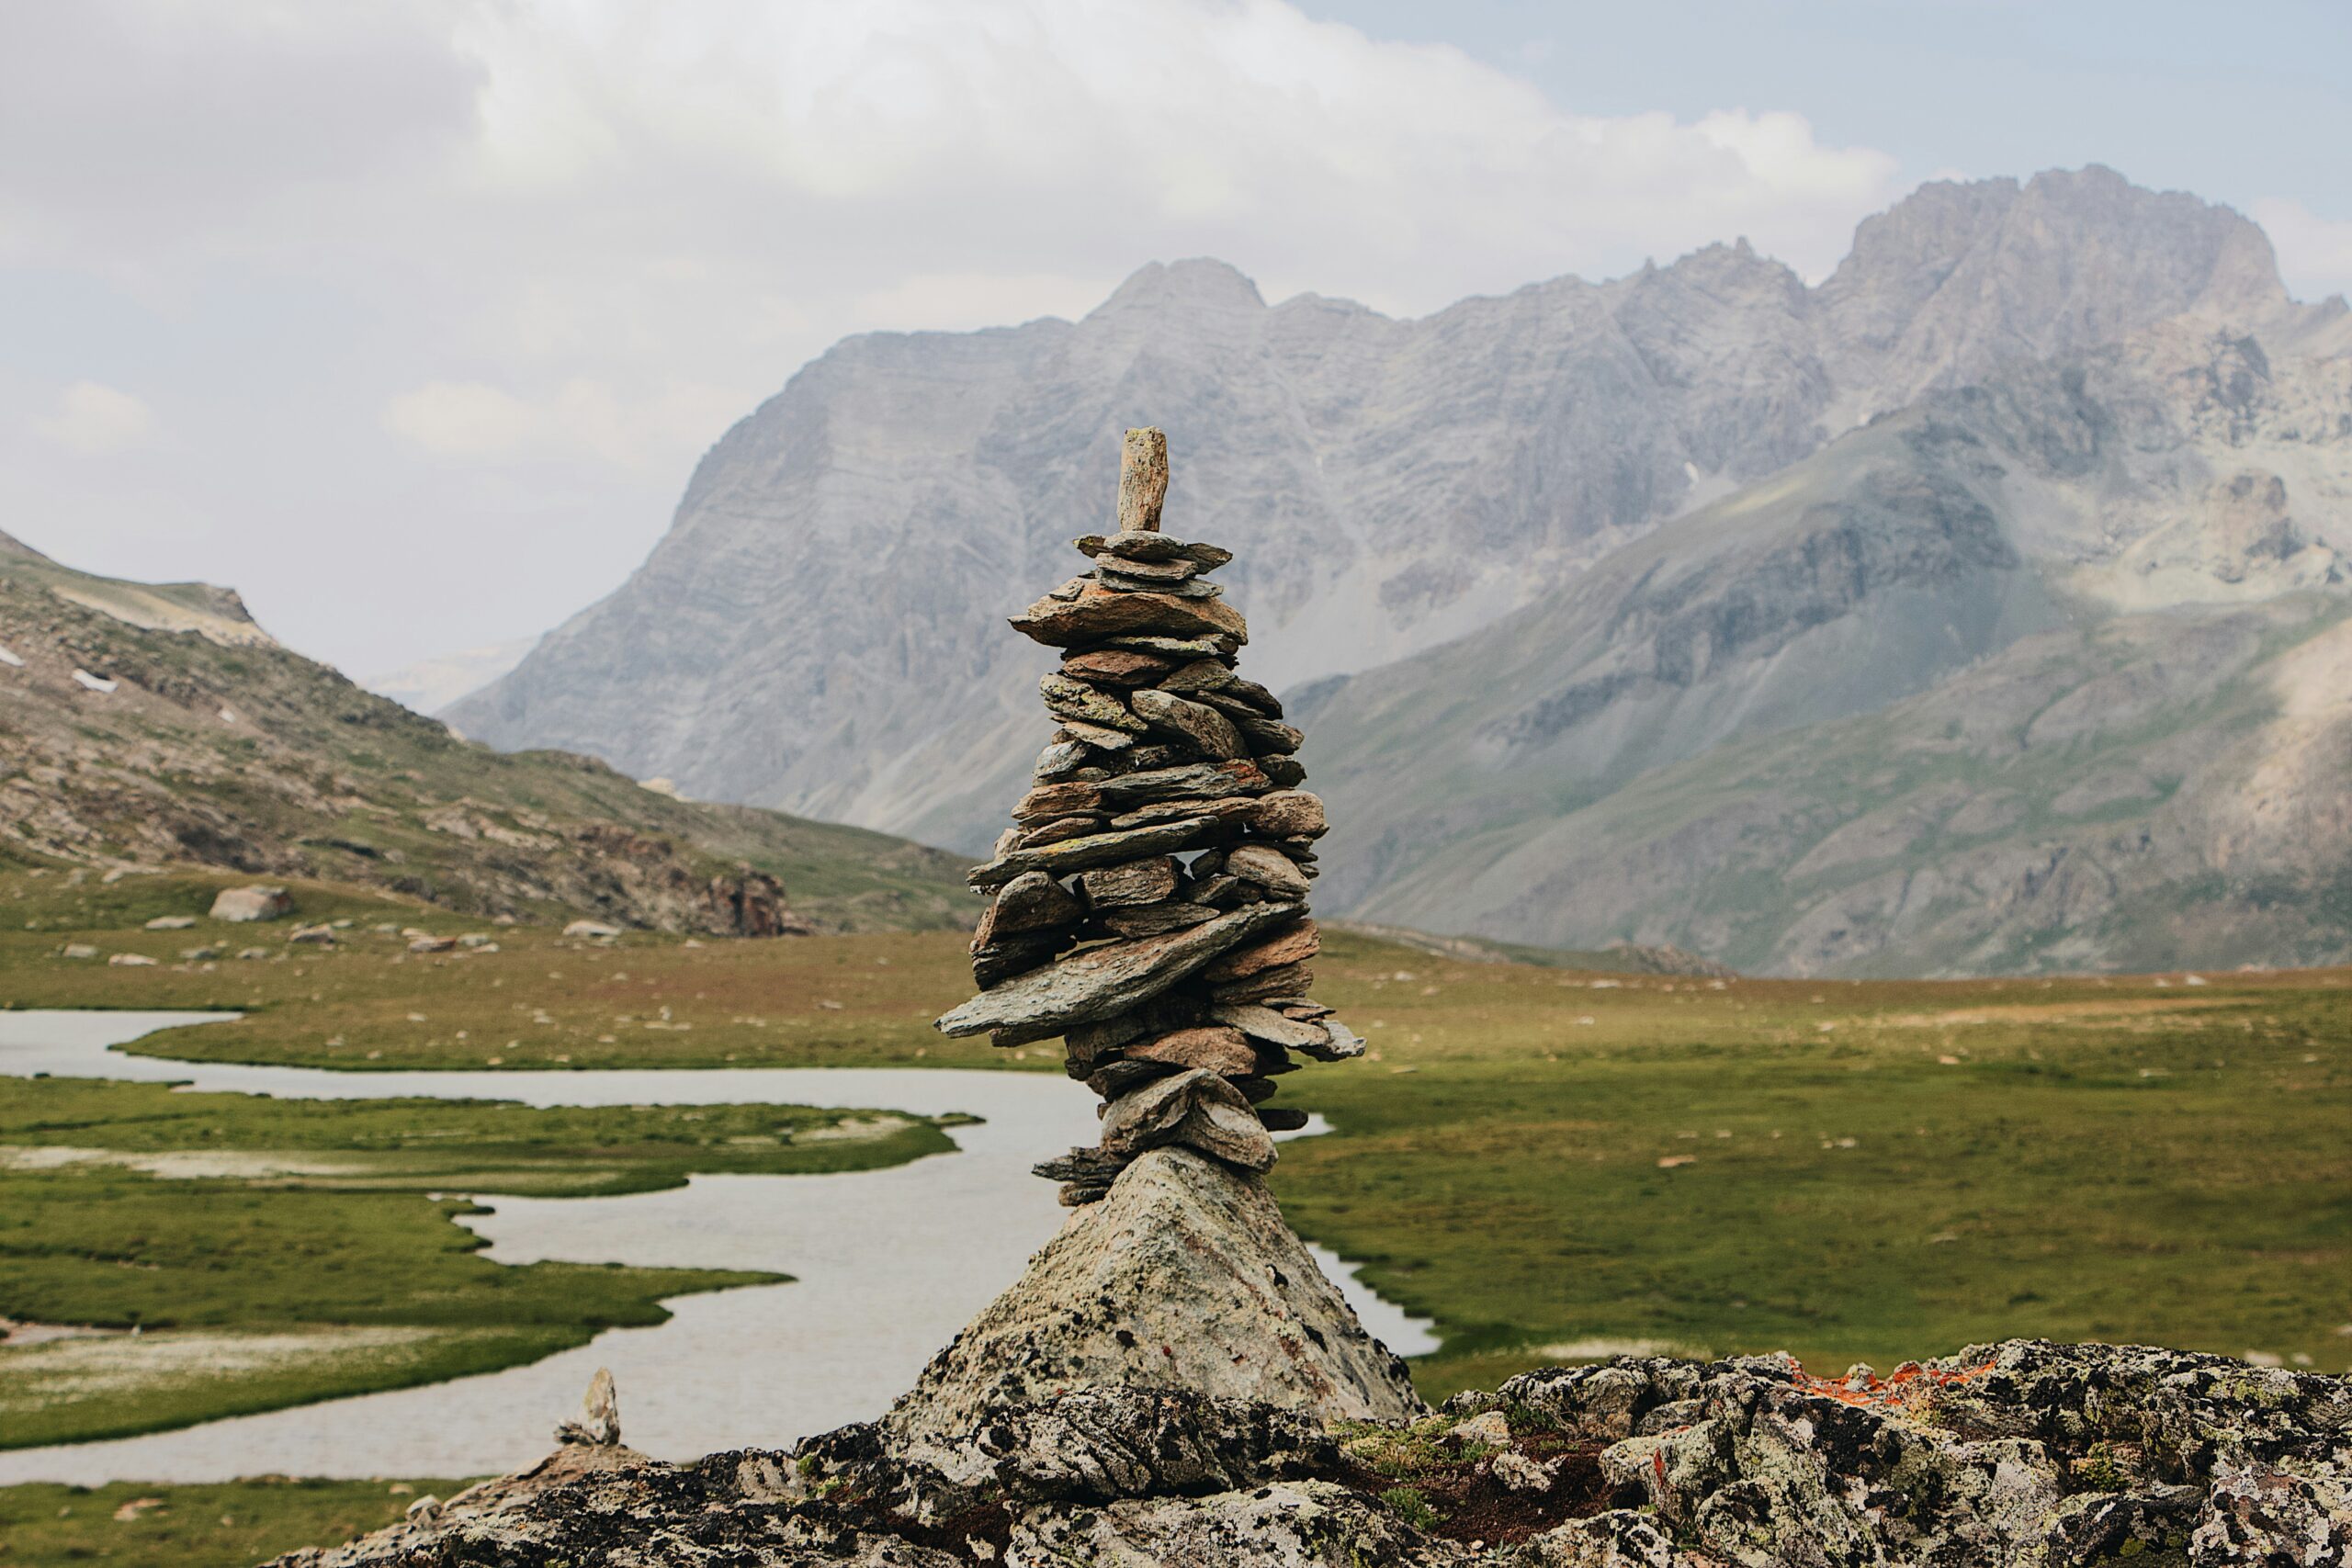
x,y
2026,1454
1184,1276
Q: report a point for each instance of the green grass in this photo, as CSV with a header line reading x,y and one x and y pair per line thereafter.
x,y
2125,1157
278,1252
419,1146
539,1001
228,1525
2098,1160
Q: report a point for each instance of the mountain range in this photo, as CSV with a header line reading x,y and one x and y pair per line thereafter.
x,y
1977,608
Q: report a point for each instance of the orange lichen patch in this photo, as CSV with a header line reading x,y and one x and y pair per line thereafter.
x,y
1903,1386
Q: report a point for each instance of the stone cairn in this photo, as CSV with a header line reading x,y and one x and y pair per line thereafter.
x,y
1150,901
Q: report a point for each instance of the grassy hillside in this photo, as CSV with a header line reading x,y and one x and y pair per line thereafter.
x,y
190,738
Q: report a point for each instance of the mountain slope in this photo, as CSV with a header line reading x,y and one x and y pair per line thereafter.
x,y
818,628
144,724
2155,791
2028,674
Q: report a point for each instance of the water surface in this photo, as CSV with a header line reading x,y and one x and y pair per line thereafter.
x,y
886,1265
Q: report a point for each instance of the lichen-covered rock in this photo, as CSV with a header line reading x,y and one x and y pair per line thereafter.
x,y
1184,1277
2027,1452
1295,1524
2021,1455
1617,1538
1104,1444
615,1508
2275,1518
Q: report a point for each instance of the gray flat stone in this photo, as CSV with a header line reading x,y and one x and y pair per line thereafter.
x,y
1077,854
1100,981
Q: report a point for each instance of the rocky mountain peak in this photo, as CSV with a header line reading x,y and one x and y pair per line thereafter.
x,y
1198,283
1957,279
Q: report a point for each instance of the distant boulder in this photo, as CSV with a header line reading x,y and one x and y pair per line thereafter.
x,y
256,902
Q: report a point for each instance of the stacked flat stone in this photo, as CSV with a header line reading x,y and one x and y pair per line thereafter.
x,y
1149,902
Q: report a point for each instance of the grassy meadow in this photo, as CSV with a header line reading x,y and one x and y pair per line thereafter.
x,y
1534,1157
1551,1163
540,1000
1556,1166
232,1525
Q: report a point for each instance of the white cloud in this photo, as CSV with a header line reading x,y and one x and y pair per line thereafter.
x,y
470,265
580,420
960,301
96,421
2314,253
843,147
966,130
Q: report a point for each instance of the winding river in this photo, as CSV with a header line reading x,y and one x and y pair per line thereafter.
x,y
887,1266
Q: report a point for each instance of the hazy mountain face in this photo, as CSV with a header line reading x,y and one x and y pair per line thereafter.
x,y
2033,673
2106,399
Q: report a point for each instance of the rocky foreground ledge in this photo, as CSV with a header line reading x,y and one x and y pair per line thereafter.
x,y
1173,1381
2026,1452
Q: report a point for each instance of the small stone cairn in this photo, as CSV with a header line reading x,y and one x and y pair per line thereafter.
x,y
1150,901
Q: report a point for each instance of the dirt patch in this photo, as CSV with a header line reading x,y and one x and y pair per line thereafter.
x,y
69,1368
853,1129
182,1164
1569,1350
2119,1013
16,1335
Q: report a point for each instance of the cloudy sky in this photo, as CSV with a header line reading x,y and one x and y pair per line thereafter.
x,y
410,319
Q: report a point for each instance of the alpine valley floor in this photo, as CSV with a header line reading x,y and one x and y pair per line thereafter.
x,y
1872,1170
1589,1163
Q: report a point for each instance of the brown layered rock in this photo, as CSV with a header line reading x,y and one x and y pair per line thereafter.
x,y
1205,727
1130,883
1215,1050
1159,866
1096,613
1294,945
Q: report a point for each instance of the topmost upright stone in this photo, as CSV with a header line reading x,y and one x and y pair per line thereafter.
x,y
1143,480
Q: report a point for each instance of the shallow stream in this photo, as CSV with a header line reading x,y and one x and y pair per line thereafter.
x,y
887,1266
